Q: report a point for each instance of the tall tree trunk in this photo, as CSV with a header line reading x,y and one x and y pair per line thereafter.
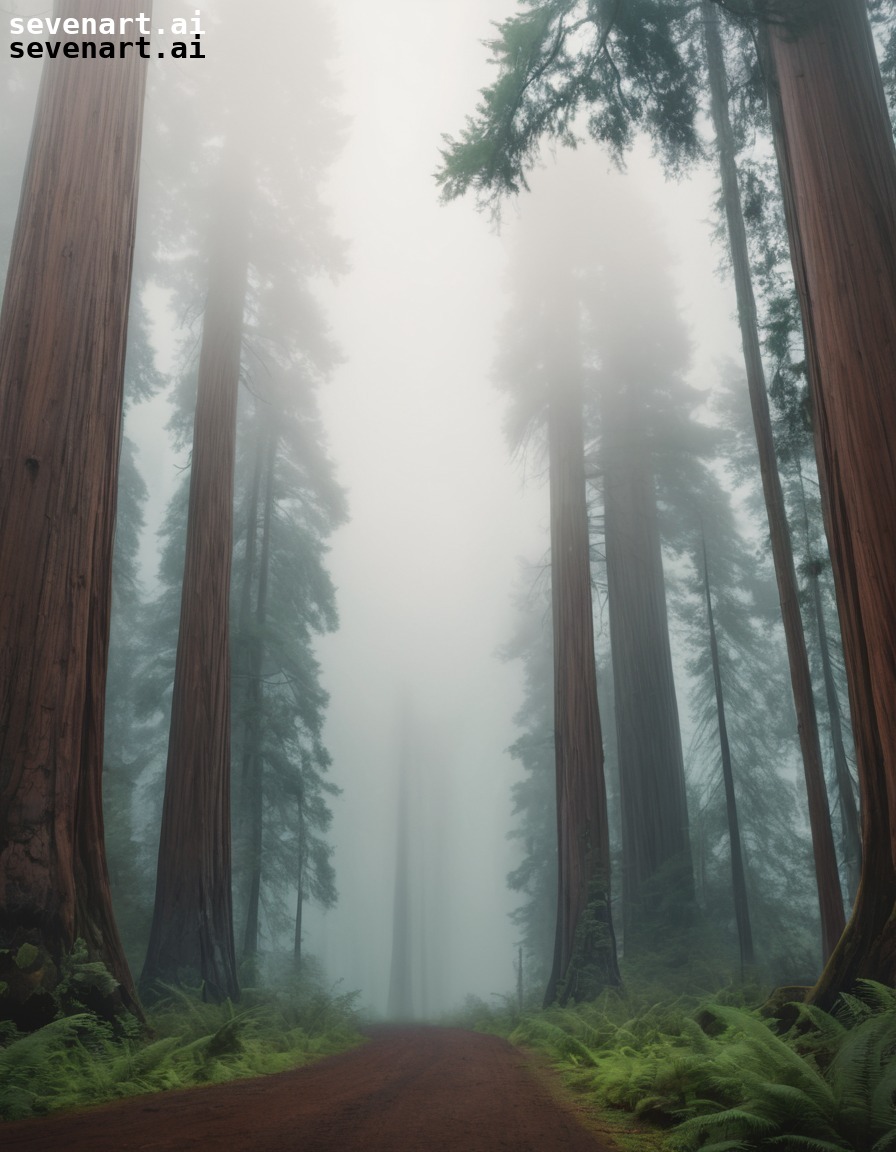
x,y
62,346
584,945
834,144
242,675
851,847
830,898
657,868
300,881
192,930
401,997
738,874
846,798
254,766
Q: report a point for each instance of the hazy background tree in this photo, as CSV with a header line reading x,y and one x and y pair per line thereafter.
x,y
272,208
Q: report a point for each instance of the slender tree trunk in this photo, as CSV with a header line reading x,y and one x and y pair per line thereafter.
x,y
738,873
192,931
62,346
830,898
657,867
300,880
254,768
242,675
846,797
584,944
834,144
401,996
849,813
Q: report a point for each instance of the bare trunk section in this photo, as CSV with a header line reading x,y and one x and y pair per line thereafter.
x,y
254,763
401,996
851,846
738,873
830,897
62,347
838,170
657,869
242,672
584,945
192,931
846,798
300,880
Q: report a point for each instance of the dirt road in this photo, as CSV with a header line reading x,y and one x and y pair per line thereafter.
x,y
407,1090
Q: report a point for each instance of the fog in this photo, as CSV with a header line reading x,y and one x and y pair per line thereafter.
x,y
440,510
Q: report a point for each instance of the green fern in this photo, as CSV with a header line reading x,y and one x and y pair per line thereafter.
x,y
726,1080
82,1059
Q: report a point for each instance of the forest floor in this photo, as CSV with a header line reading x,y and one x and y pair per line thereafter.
x,y
408,1089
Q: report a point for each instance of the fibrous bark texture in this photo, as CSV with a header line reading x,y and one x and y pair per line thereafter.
x,y
830,898
835,151
584,947
62,346
191,938
657,871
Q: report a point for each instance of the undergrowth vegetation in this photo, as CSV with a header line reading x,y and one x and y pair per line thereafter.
x,y
717,1076
83,1059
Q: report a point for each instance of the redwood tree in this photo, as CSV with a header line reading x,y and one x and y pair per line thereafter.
x,y
657,874
584,944
191,938
62,345
835,150
830,898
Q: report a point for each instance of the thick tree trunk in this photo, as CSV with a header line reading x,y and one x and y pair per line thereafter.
x,y
838,167
738,872
657,869
584,944
62,347
830,898
254,766
192,931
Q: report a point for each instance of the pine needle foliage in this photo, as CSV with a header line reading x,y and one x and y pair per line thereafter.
x,y
82,1059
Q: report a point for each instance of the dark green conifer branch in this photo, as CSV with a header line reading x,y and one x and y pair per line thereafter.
x,y
608,68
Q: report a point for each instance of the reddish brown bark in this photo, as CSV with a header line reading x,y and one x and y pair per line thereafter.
x,y
191,939
830,897
584,947
62,346
835,151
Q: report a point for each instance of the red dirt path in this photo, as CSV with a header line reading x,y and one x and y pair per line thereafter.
x,y
407,1090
